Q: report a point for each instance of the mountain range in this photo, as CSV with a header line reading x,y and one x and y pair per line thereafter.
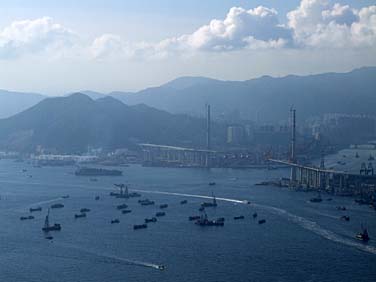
x,y
263,99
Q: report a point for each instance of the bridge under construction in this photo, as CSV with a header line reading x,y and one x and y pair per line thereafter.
x,y
323,179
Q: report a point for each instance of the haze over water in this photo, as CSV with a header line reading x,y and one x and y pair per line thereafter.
x,y
300,241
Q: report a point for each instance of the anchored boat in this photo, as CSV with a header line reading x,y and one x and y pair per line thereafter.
x,y
47,227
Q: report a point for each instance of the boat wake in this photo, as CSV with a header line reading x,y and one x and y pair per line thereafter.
x,y
45,202
302,222
107,258
317,229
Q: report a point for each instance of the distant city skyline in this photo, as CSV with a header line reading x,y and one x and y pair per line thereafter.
x,y
58,47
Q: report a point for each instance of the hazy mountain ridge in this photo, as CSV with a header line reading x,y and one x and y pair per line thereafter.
x,y
267,98
71,124
12,102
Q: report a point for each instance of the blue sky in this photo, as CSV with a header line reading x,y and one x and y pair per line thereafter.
x,y
55,47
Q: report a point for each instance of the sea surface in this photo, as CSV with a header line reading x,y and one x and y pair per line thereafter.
x,y
300,241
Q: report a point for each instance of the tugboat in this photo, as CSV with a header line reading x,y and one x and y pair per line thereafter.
x,y
124,194
212,183
363,236
146,202
159,214
210,204
122,206
47,227
153,219
201,209
341,208
115,221
126,211
317,199
261,221
80,215
139,226
204,221
57,206
84,210
163,206
183,202
35,209
345,217
134,195
254,215
65,196
194,217
239,217
97,198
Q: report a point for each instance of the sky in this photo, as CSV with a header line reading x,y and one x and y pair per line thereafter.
x,y
57,47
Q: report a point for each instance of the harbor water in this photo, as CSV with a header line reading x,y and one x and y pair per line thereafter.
x,y
300,241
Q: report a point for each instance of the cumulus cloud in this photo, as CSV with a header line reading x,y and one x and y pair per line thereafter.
x,y
313,24
34,36
240,29
317,23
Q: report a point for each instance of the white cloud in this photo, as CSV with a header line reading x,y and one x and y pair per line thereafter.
x,y
235,31
316,23
108,45
313,24
34,36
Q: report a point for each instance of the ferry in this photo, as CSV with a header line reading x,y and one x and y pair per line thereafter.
x,y
26,217
35,209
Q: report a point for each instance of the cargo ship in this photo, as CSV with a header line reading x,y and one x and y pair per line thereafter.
x,y
90,171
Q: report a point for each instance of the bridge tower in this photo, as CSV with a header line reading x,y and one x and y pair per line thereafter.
x,y
208,135
292,145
